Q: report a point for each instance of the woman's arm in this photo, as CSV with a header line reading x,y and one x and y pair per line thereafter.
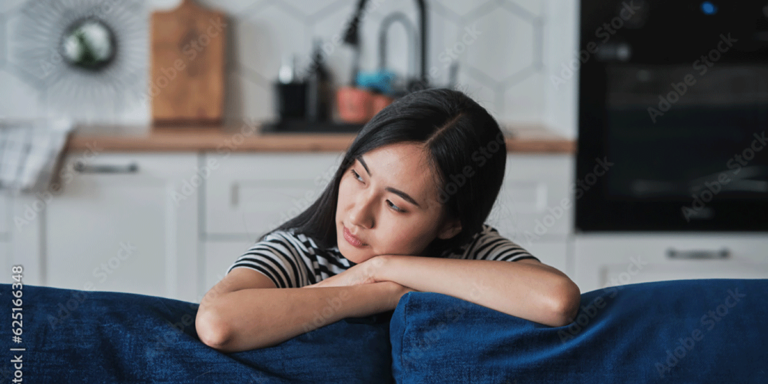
x,y
527,288
262,317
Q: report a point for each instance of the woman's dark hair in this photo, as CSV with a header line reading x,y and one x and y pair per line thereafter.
x,y
465,143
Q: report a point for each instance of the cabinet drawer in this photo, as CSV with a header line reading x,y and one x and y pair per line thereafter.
x,y
607,260
249,194
535,201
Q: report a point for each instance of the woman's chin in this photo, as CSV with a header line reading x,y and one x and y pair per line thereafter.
x,y
349,252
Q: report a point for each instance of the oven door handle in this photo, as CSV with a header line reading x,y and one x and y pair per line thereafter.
x,y
699,254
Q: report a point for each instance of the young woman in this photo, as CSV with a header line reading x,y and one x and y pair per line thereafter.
x,y
404,212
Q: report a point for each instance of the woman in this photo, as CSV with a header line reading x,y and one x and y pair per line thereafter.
x,y
404,212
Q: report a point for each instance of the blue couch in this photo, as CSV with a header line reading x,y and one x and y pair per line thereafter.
x,y
683,331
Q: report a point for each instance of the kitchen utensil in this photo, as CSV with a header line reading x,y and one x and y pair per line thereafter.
x,y
187,65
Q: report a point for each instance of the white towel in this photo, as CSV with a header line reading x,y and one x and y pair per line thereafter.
x,y
29,151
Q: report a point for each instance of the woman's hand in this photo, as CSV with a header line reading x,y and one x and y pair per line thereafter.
x,y
363,273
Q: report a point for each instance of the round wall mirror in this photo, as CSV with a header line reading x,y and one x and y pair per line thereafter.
x,y
88,44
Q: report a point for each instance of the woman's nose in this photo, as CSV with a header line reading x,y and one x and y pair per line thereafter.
x,y
361,213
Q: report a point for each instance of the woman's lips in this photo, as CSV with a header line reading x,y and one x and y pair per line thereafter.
x,y
352,239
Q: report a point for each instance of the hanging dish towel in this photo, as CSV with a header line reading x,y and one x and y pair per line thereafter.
x,y
29,151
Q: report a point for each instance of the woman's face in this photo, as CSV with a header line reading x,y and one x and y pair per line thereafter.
x,y
375,204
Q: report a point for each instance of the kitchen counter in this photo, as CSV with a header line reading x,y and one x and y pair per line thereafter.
x,y
249,138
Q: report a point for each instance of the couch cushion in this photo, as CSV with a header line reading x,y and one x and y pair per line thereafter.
x,y
709,330
113,337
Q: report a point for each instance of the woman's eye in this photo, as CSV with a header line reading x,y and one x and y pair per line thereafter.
x,y
356,175
395,206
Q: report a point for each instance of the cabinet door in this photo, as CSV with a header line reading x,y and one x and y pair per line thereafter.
x,y
608,260
7,262
535,202
5,215
220,255
249,194
530,209
125,222
5,237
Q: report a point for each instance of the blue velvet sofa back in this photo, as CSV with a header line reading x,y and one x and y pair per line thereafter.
x,y
683,331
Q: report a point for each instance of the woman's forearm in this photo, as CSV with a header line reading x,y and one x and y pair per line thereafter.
x,y
257,318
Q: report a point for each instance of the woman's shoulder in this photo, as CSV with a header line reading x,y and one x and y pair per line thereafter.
x,y
487,244
293,238
287,237
461,250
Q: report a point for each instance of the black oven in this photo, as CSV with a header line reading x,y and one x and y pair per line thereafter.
x,y
673,116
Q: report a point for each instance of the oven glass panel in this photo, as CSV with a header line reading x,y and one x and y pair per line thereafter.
x,y
674,132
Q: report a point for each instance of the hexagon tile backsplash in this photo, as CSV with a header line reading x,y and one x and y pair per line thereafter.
x,y
503,49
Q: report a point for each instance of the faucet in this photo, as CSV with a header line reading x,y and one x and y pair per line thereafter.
x,y
385,24
351,37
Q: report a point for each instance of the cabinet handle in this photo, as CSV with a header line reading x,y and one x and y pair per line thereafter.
x,y
85,168
698,254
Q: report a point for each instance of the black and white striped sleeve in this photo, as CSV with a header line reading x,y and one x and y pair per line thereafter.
x,y
491,245
277,258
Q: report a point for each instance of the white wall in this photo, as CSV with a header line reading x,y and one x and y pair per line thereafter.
x,y
520,45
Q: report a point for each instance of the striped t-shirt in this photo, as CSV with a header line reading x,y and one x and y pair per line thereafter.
x,y
293,260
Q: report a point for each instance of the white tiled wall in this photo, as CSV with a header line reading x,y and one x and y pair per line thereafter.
x,y
519,46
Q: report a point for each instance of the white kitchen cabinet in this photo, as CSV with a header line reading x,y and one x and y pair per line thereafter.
x,y
248,194
125,222
5,215
535,206
603,260
5,236
24,214
535,201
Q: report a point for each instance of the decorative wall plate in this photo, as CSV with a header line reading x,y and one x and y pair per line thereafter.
x,y
89,56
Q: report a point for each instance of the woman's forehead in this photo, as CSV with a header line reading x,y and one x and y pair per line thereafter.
x,y
404,167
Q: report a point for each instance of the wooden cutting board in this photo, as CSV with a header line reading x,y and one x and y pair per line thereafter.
x,y
187,65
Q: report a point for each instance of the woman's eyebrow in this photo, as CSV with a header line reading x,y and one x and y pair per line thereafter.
x,y
398,192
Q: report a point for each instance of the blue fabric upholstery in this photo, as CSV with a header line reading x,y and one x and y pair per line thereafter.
x,y
682,331
80,336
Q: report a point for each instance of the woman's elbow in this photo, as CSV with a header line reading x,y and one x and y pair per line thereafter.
x,y
567,304
211,330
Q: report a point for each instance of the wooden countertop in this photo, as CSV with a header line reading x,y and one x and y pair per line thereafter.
x,y
249,138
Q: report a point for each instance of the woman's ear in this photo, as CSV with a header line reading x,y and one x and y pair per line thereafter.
x,y
450,229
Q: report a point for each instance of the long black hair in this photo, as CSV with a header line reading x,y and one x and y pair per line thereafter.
x,y
467,156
